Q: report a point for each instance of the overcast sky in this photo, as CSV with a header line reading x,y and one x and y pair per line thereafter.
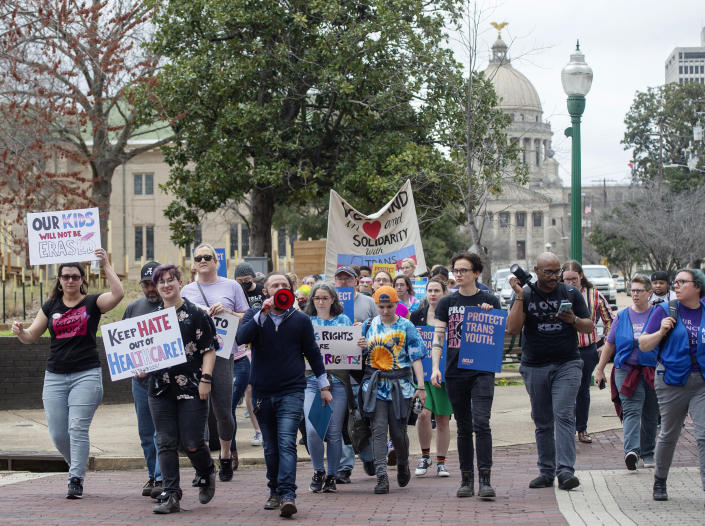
x,y
626,43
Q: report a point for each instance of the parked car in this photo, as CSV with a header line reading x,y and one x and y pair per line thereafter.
x,y
600,277
620,282
498,279
505,294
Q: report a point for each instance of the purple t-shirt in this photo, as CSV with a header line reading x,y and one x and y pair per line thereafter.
x,y
638,320
226,291
690,319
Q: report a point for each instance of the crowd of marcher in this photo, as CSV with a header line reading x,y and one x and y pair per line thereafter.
x,y
657,345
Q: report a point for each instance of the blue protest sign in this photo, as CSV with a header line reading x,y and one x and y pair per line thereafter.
x,y
426,333
347,300
419,287
482,339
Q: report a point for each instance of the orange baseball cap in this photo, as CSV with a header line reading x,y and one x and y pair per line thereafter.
x,y
386,294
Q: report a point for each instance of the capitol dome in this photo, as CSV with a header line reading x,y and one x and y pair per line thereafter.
x,y
514,91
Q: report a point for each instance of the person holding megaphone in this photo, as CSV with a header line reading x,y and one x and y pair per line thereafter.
x,y
281,337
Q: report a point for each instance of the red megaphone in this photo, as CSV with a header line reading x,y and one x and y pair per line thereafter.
x,y
283,299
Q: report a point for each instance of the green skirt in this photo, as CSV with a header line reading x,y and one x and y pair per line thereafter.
x,y
437,399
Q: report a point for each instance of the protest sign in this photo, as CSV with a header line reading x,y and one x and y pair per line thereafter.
x,y
419,287
338,346
143,344
63,236
347,300
482,339
387,236
389,268
426,333
226,329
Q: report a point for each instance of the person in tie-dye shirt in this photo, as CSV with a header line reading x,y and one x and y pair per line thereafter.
x,y
394,349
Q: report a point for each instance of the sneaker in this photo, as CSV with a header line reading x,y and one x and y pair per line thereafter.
x,y
225,473
148,487
391,455
567,481
369,468
631,459
542,481
272,502
317,481
246,414
442,471
287,508
75,490
157,489
343,477
206,488
329,485
403,475
257,439
168,505
649,463
422,466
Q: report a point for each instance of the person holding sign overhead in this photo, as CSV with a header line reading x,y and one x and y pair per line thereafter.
x,y
437,401
470,392
73,386
325,309
550,365
178,396
394,350
220,295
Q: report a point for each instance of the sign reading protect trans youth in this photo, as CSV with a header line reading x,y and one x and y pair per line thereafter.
x,y
338,346
387,236
63,237
482,340
143,344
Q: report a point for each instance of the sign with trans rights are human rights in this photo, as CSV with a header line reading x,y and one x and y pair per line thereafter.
x,y
143,344
63,236
338,345
482,340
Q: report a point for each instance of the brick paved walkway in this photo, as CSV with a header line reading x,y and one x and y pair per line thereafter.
x,y
113,498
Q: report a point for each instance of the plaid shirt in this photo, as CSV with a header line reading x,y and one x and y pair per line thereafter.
x,y
598,306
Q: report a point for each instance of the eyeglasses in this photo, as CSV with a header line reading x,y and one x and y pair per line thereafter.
x,y
461,271
198,259
70,277
166,282
548,272
638,291
321,298
681,282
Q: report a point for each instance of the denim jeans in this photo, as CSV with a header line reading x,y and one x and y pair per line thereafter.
x,y
347,459
145,429
334,434
70,401
639,417
582,401
471,398
552,389
180,422
241,379
279,418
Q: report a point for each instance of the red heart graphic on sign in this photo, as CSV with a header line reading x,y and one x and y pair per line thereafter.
x,y
372,228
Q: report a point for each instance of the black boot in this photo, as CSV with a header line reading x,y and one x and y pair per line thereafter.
x,y
485,491
660,489
466,488
382,484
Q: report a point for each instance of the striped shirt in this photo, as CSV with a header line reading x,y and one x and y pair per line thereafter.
x,y
598,306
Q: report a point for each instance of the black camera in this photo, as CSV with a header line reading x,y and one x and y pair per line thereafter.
x,y
522,275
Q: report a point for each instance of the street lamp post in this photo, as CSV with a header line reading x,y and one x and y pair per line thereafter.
x,y
577,79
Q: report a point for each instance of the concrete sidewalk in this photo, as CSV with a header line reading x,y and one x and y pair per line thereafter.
x,y
115,442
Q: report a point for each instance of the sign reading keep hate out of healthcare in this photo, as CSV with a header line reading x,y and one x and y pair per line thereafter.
x,y
338,345
143,344
63,236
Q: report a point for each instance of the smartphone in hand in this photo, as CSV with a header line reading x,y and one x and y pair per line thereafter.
x,y
565,306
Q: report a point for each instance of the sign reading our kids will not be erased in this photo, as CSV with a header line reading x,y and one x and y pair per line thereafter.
x,y
482,340
64,236
143,344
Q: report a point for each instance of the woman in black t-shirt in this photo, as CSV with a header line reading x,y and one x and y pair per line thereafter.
x,y
73,387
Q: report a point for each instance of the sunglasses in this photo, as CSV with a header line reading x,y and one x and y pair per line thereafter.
x,y
70,277
198,259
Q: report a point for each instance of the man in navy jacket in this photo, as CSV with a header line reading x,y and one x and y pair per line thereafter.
x,y
280,340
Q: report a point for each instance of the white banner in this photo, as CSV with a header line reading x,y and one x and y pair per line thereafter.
x,y
387,236
143,344
64,236
339,347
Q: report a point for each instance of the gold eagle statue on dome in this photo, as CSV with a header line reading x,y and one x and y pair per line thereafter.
x,y
499,27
